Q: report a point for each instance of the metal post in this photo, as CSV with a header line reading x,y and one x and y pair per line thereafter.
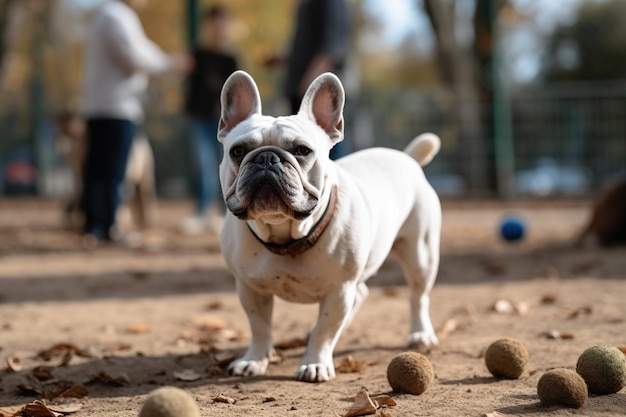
x,y
502,131
192,23
37,101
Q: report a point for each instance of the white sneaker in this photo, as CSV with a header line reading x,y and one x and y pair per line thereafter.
x,y
214,221
193,225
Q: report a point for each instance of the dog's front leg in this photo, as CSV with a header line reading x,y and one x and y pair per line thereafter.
x,y
317,364
259,310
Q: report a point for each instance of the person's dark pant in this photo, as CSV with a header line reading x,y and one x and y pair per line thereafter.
x,y
108,145
207,155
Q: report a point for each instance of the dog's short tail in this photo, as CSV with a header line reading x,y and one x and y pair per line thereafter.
x,y
424,148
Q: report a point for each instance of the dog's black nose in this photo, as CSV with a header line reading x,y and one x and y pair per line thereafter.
x,y
267,158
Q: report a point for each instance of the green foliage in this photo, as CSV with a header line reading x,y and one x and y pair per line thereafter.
x,y
592,48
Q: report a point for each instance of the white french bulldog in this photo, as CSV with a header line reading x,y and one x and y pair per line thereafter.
x,y
310,230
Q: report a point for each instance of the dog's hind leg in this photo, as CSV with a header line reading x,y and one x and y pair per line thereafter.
x,y
420,262
361,294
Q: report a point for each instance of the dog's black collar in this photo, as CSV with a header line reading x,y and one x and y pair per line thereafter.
x,y
305,243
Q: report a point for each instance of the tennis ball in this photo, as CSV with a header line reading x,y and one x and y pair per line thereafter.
x,y
562,387
512,229
506,358
410,372
603,367
169,402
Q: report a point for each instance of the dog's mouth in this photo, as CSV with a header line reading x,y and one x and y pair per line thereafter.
x,y
269,185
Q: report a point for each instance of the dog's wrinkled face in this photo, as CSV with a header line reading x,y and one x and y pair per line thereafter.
x,y
275,167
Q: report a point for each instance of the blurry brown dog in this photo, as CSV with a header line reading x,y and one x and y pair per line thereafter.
x,y
139,206
608,219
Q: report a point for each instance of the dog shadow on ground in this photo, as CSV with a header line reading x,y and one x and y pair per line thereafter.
x,y
133,375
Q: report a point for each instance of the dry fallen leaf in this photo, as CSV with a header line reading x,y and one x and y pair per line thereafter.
x,y
384,400
39,409
224,358
230,335
362,406
31,386
14,364
291,344
350,365
28,390
522,308
55,389
138,328
12,411
214,305
215,370
60,349
552,334
187,375
224,399
65,351
275,357
42,373
568,336
115,347
495,267
449,326
210,323
503,307
393,292
117,381
75,391
623,349
580,311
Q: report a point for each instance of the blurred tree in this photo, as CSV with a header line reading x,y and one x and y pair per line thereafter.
x,y
591,48
5,8
468,68
259,29
457,69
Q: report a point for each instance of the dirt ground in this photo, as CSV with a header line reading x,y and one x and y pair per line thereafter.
x,y
165,313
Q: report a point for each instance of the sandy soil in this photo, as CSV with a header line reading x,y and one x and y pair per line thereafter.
x,y
144,315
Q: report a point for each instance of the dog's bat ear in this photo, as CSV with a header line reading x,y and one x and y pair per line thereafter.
x,y
323,103
240,99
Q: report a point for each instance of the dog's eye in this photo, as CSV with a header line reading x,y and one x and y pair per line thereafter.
x,y
237,152
302,151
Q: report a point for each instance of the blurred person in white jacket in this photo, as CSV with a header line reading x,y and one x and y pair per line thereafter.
x,y
118,59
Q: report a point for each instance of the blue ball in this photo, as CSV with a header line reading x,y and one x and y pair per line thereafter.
x,y
512,229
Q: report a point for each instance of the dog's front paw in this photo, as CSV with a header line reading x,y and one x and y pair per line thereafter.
x,y
247,367
315,372
423,341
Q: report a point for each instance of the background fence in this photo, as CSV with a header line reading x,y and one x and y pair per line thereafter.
x,y
567,126
568,140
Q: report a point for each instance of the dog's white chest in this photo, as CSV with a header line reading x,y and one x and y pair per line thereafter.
x,y
298,283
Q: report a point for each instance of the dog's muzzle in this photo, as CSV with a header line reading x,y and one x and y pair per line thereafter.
x,y
268,180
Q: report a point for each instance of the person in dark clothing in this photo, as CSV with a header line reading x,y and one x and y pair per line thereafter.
x,y
213,64
109,145
118,59
319,44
